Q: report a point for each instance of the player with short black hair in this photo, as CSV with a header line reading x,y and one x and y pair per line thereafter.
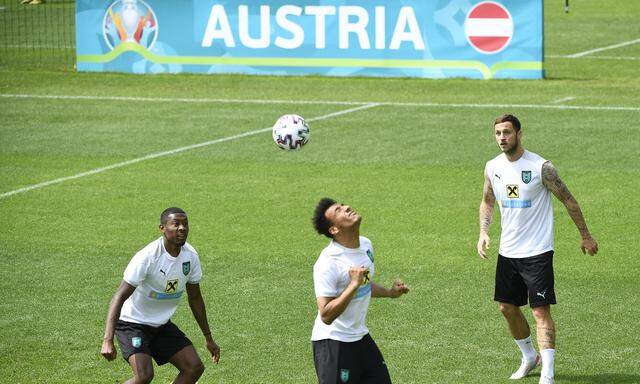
x,y
141,309
164,216
320,221
522,182
343,350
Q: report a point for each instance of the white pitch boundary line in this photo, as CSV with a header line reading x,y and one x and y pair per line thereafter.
x,y
564,99
178,99
623,44
595,57
615,57
172,152
319,102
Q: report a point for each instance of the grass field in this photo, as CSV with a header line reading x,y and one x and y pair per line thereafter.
x,y
407,153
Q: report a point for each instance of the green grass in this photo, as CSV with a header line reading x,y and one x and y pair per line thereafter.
x,y
414,172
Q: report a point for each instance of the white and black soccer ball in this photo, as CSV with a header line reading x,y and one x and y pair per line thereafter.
x,y
290,132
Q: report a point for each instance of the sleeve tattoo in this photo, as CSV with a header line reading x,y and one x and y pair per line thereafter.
x,y
486,206
553,183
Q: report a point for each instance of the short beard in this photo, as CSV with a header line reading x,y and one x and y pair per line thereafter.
x,y
512,150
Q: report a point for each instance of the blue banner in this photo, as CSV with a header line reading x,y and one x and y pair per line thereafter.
x,y
403,38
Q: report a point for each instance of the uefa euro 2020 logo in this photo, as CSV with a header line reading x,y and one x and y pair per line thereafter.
x,y
131,21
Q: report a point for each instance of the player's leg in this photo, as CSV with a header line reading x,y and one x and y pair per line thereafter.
x,y
350,362
325,360
189,364
517,323
511,293
135,343
142,368
375,368
171,345
546,341
538,275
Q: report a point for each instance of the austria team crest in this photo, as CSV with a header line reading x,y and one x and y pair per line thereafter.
x,y
526,176
186,267
370,254
344,375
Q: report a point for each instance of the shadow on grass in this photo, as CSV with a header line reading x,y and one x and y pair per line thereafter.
x,y
602,378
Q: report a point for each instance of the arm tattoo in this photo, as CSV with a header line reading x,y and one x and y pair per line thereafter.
x,y
552,182
486,206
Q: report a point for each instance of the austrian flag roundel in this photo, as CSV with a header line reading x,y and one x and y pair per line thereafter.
x,y
489,27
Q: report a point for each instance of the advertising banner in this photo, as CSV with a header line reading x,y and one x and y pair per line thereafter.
x,y
402,38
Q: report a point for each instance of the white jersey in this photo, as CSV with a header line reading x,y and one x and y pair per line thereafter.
x,y
526,212
331,278
160,281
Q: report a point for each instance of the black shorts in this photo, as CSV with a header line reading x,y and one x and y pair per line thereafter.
x,y
529,278
356,362
161,343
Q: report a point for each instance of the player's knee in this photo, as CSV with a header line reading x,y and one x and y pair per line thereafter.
x,y
195,369
144,377
198,369
542,315
507,309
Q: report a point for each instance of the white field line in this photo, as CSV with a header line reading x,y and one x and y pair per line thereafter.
x,y
171,152
596,57
623,44
319,102
564,99
177,100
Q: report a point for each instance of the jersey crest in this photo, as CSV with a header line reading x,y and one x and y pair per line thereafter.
x,y
370,254
526,176
186,267
344,375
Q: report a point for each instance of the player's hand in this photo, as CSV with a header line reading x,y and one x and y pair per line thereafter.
x,y
108,350
214,350
589,245
357,275
398,289
483,245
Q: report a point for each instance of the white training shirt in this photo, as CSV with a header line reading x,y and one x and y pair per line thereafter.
x,y
160,281
526,212
331,278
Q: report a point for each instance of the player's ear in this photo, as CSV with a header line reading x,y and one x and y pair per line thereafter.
x,y
333,230
161,226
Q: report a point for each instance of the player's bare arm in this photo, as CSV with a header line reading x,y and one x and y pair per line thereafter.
x,y
398,289
196,303
122,294
552,182
486,216
332,307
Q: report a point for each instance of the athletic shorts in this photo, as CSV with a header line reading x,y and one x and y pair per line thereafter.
x,y
529,278
356,362
161,343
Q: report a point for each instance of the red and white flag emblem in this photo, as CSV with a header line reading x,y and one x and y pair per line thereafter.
x,y
489,27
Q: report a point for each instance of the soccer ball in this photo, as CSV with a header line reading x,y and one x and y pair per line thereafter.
x,y
290,132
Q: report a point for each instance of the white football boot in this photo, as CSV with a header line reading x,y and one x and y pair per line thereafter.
x,y
525,368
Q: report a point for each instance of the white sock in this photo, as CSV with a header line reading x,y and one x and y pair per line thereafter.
x,y
527,348
547,362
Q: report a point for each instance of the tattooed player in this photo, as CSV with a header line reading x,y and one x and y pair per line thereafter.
x,y
522,183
